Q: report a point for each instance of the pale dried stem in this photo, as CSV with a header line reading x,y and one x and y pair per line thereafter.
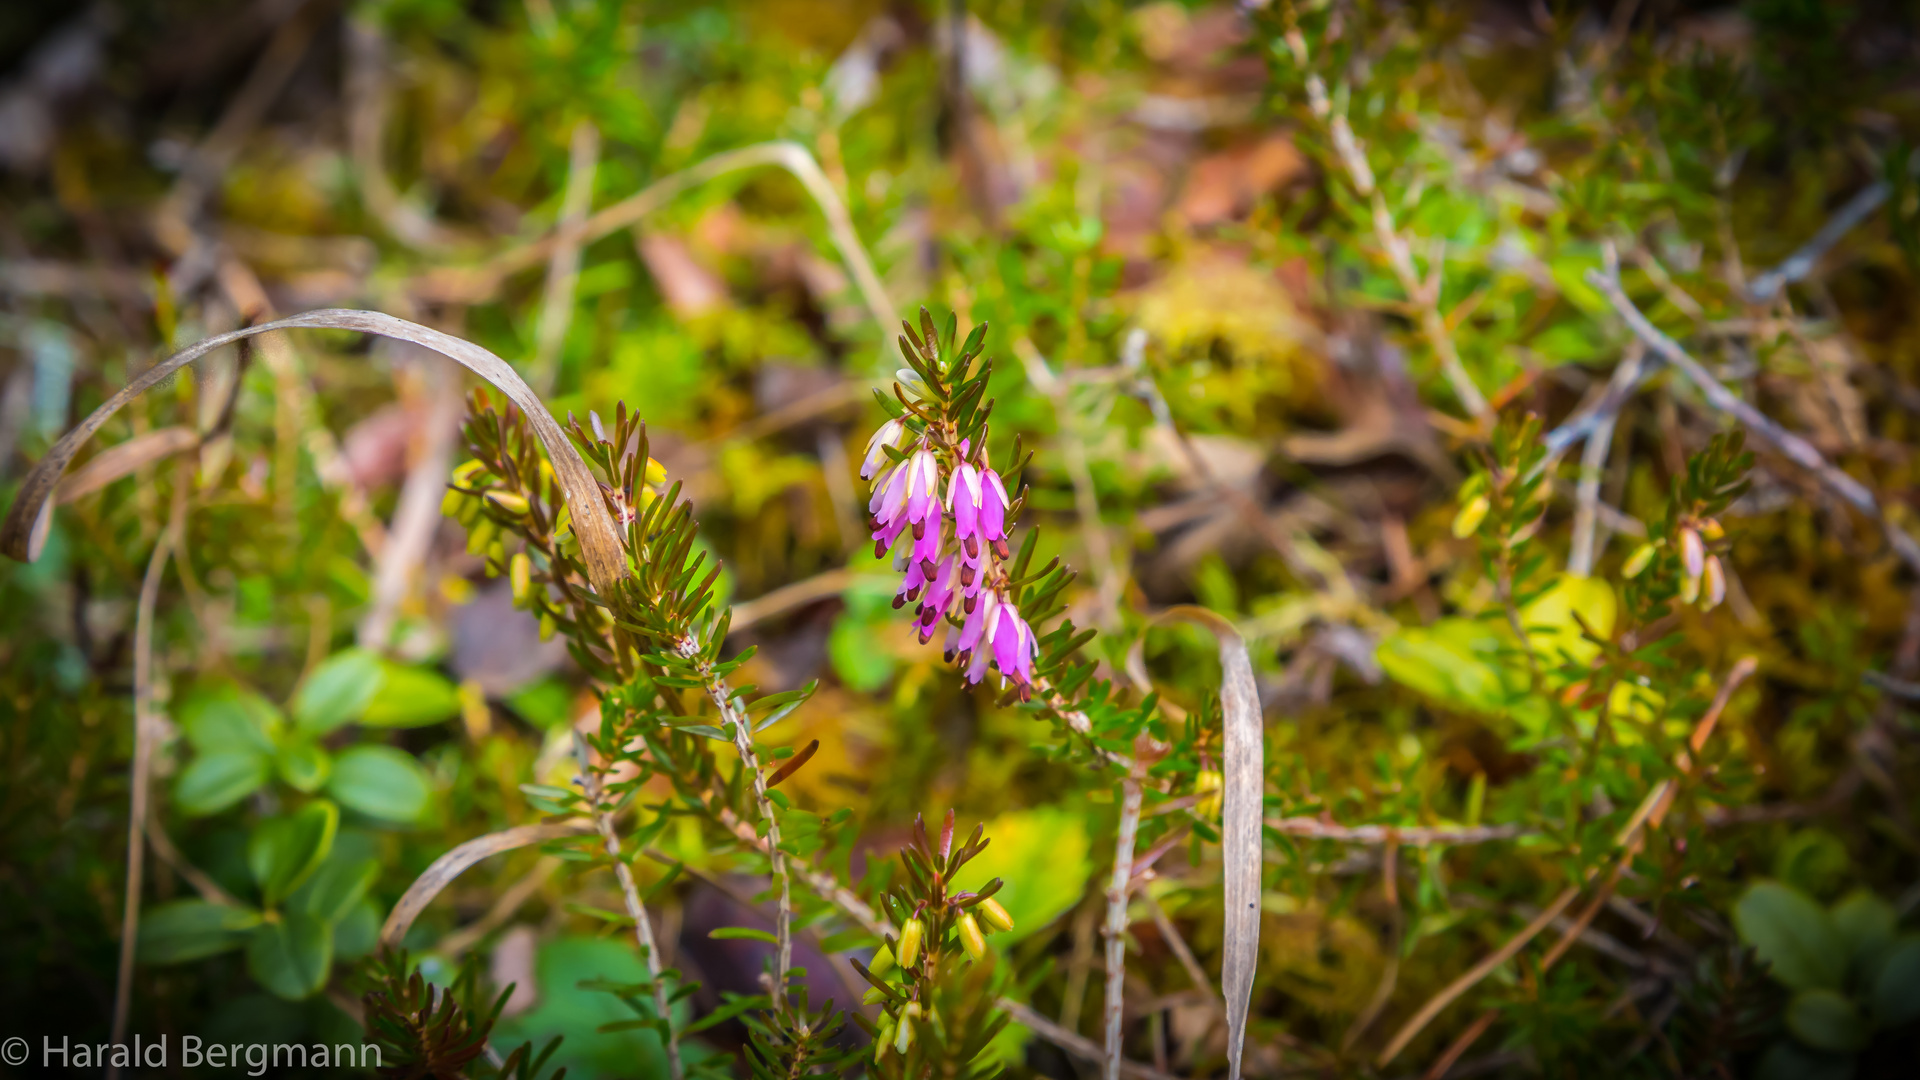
x,y
146,725
504,908
563,266
1593,462
590,780
1181,950
1316,829
1116,928
1791,446
479,283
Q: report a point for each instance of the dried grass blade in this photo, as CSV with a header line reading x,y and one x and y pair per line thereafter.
x,y
25,528
454,863
117,461
1242,770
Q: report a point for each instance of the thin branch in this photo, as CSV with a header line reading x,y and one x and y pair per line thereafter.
x,y
145,732
732,717
799,594
162,844
1793,447
1116,929
1412,836
504,908
636,909
1593,461
1077,1045
1181,950
1767,286
563,266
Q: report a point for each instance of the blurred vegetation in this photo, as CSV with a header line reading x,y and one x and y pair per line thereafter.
x,y
1588,686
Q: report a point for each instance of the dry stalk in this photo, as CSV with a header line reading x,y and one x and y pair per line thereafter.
x,y
1116,929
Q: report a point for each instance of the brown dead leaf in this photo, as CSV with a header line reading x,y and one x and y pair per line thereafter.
x,y
1226,185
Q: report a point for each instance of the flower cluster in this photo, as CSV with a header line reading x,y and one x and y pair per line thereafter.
x,y
943,511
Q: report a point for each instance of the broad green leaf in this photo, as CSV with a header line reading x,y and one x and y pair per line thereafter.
x,y
380,782
284,851
337,691
1896,990
1452,662
1866,925
411,697
1792,934
1042,856
225,718
1826,1020
1550,620
335,887
579,1014
304,766
357,932
213,782
291,956
191,929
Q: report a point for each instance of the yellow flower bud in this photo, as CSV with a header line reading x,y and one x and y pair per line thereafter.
x,y
971,939
882,961
883,1038
1712,529
481,535
903,1038
520,574
451,503
1637,562
873,996
547,627
511,501
1207,784
496,558
468,472
910,935
1472,513
995,915
1689,589
656,472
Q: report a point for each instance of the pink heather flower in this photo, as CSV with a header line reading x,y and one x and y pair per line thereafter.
x,y
890,497
923,484
889,434
926,542
993,506
1013,645
884,534
963,499
975,626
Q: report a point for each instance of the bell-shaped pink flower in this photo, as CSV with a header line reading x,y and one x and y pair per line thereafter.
x,y
890,434
889,499
993,506
1013,644
963,500
923,482
910,585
